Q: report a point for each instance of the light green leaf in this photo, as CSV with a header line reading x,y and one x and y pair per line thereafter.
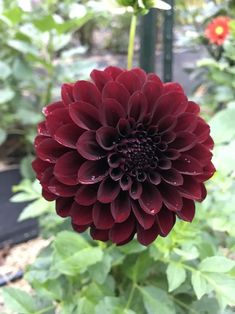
x,y
216,264
110,305
76,258
23,47
35,209
176,275
6,94
222,126
14,15
5,70
19,301
45,23
224,286
84,306
99,271
199,284
3,136
157,301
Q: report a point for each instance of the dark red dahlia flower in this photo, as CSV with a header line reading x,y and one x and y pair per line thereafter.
x,y
125,154
218,30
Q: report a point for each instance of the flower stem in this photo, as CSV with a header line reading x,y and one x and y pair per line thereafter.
x,y
131,45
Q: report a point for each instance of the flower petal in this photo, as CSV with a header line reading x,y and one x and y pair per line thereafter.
x,y
193,108
52,107
67,94
202,130
81,215
145,220
113,71
108,190
63,206
79,228
86,194
186,164
100,78
171,197
200,153
172,177
85,115
111,112
150,200
66,168
142,76
166,220
107,136
100,235
137,106
120,232
49,150
102,216
92,172
190,189
172,86
56,119
173,103
60,189
186,122
136,190
39,166
116,91
187,213
130,80
68,135
87,92
42,129
121,207
184,141
145,237
88,147
152,91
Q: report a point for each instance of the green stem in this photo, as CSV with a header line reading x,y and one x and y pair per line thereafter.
x,y
130,296
131,45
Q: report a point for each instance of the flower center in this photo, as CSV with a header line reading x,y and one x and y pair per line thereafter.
x,y
219,30
140,152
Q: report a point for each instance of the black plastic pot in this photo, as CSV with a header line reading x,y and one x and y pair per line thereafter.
x,y
12,231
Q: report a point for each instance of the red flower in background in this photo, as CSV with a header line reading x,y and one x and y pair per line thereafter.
x,y
218,30
125,154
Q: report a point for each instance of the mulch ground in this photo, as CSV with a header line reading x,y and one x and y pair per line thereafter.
x,y
14,259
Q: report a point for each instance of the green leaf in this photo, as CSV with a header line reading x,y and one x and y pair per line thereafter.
x,y
23,47
157,301
21,69
176,275
224,286
45,23
216,264
76,258
35,209
19,301
109,305
26,168
3,136
84,306
222,126
99,271
199,284
6,94
5,70
14,15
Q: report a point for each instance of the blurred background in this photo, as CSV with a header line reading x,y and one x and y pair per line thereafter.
x,y
44,43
